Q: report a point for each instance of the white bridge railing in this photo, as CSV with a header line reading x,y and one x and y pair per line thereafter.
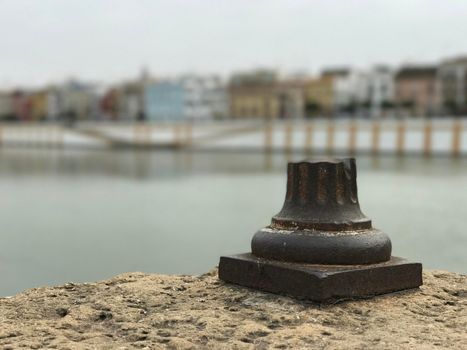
x,y
420,136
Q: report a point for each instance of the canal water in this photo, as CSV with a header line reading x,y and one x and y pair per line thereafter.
x,y
85,215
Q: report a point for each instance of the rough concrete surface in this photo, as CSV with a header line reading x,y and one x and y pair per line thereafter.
x,y
141,311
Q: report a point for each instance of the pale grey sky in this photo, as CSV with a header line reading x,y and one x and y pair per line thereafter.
x,y
109,40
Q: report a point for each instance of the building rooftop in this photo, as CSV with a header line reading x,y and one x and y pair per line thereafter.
x,y
456,60
254,78
340,71
416,72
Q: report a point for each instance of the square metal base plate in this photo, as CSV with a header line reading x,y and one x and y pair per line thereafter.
x,y
320,282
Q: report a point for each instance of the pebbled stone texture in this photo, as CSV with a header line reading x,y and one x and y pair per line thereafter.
x,y
141,311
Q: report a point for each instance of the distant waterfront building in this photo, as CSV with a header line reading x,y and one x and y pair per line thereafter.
x,y
130,101
254,95
215,97
74,100
186,98
39,105
21,105
452,77
350,92
53,104
32,105
347,92
260,94
165,101
416,90
6,107
324,95
291,98
125,101
108,104
374,91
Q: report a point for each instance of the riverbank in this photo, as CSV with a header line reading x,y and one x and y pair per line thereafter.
x,y
141,311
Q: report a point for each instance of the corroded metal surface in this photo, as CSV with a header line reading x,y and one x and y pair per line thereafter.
x,y
321,221
348,247
322,195
321,245
320,282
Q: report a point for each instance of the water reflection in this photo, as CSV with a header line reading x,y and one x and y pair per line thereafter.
x,y
86,215
148,164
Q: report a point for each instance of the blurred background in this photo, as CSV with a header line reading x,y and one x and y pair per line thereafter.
x,y
154,135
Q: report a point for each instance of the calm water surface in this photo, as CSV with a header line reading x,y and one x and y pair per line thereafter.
x,y
84,215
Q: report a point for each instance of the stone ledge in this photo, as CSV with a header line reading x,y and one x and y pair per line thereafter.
x,y
141,311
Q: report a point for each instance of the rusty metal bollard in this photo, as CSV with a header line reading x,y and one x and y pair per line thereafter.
x,y
320,246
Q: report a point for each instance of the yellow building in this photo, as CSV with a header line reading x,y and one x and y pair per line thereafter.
x,y
319,95
259,94
254,95
254,102
39,105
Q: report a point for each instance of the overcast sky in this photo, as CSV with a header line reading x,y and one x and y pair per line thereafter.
x,y
109,40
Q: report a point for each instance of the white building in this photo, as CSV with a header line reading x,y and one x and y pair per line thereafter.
x,y
380,89
73,99
345,90
452,78
130,101
204,97
366,92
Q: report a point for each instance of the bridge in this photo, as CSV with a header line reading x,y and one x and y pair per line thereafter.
x,y
439,136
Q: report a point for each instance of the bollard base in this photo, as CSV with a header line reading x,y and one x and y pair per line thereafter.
x,y
320,282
